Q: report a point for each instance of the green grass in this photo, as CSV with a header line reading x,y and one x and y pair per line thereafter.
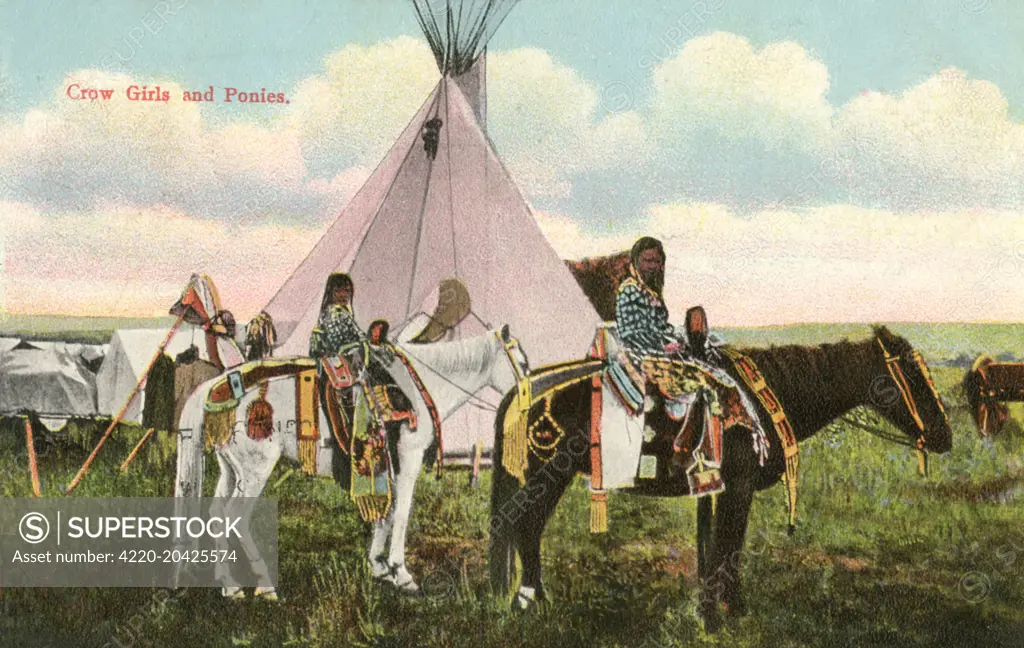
x,y
881,557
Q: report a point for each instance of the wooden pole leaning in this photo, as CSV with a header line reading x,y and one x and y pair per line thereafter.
x,y
138,446
131,397
33,469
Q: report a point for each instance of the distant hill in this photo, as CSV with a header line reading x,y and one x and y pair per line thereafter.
x,y
954,344
86,330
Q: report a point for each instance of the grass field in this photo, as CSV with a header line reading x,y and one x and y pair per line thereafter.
x,y
881,557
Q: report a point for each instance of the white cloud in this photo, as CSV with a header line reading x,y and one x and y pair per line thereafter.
x,y
353,111
77,154
720,83
919,186
134,261
834,263
751,127
948,141
570,241
541,115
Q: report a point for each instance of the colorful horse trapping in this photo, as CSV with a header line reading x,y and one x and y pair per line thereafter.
x,y
370,480
219,422
260,416
307,419
675,378
747,369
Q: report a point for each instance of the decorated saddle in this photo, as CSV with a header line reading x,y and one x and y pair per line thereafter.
x,y
665,436
360,401
363,403
685,405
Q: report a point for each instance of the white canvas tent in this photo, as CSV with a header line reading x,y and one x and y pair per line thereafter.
x,y
8,343
127,358
51,382
423,216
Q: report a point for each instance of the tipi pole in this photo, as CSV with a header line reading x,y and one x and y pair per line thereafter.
x,y
33,469
474,475
117,419
138,446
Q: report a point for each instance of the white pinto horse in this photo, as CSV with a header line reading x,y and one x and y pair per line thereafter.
x,y
452,372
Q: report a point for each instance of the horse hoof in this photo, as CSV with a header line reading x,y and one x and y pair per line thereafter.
x,y
379,569
266,594
524,600
409,588
399,577
412,590
233,593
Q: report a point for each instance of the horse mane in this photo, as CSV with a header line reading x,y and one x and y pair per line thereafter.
x,y
599,278
837,366
788,365
460,357
792,362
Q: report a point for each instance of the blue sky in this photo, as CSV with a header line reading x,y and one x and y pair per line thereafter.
x,y
867,45
861,156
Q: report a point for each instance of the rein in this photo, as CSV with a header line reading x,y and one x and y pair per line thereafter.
x,y
475,400
878,432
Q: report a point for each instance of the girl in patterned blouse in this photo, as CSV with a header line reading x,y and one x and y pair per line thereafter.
x,y
641,316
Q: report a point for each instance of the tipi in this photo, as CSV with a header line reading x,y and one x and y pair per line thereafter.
x,y
441,205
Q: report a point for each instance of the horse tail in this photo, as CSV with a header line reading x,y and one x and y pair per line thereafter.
x,y
501,554
972,390
191,460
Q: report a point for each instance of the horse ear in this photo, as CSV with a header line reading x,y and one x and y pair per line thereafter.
x,y
506,334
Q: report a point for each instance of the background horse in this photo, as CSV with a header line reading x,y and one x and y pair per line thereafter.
x,y
988,386
452,373
815,385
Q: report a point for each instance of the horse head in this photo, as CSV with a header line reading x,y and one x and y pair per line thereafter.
x,y
904,393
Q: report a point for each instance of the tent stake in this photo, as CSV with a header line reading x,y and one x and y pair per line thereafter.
x,y
33,469
138,446
117,419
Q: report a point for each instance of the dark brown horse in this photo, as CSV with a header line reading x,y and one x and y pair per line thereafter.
x,y
815,385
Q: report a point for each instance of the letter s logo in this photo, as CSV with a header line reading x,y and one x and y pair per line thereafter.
x,y
34,528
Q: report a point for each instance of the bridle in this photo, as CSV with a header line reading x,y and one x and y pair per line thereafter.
x,y
517,370
892,364
509,345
